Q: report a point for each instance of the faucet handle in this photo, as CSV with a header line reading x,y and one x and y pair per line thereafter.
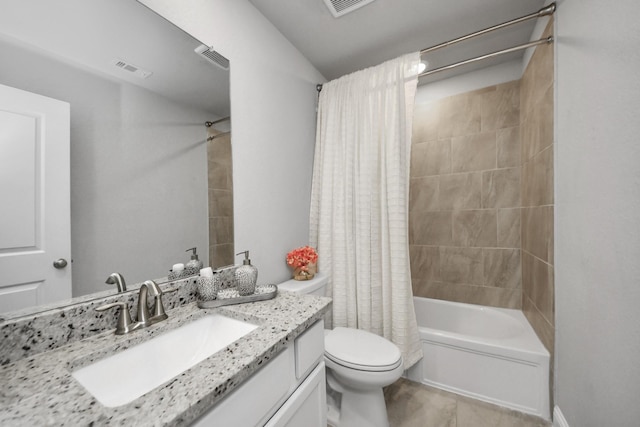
x,y
158,308
125,324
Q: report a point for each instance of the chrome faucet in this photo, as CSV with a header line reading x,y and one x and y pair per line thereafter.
x,y
125,324
118,280
144,317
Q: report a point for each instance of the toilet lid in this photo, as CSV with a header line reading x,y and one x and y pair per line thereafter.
x,y
361,350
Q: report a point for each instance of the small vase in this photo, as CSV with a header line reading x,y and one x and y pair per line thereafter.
x,y
300,274
312,268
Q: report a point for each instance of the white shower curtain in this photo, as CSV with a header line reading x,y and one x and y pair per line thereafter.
x,y
359,200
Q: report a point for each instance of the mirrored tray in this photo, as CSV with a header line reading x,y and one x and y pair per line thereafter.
x,y
231,296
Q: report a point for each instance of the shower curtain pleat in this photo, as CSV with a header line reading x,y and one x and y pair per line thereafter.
x,y
359,200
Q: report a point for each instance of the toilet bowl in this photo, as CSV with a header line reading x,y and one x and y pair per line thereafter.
x,y
359,364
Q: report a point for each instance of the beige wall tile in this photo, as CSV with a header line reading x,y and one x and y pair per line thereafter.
x,y
430,228
219,148
502,268
544,330
501,188
425,262
470,294
543,71
425,122
461,265
538,285
526,91
460,191
475,228
537,232
474,152
221,255
537,126
501,108
431,158
220,203
527,148
423,194
537,179
508,147
544,120
459,115
220,230
509,228
219,175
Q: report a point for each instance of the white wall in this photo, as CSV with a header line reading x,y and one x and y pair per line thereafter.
x,y
478,79
598,213
273,100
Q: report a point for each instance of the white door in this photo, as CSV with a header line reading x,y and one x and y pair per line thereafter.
x,y
34,200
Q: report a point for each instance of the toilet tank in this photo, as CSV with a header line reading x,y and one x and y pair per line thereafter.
x,y
315,286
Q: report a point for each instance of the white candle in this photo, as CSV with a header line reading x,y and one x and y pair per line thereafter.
x,y
206,272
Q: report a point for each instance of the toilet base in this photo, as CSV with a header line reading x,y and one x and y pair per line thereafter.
x,y
355,408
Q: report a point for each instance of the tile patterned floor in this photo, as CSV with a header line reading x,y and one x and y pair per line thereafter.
x,y
410,404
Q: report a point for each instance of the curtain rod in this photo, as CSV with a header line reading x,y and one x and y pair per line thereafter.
x,y
545,11
488,55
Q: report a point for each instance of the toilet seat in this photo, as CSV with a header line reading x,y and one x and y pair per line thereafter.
x,y
361,350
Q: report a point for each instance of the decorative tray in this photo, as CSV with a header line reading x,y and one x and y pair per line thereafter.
x,y
231,296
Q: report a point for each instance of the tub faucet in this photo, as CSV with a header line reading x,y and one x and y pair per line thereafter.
x,y
118,280
158,313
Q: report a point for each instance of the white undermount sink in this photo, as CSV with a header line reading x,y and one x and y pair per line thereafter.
x,y
127,375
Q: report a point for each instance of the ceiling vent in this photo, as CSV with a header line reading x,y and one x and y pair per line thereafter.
x,y
212,56
342,7
127,66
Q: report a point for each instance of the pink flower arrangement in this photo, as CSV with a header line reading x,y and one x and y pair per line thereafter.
x,y
302,257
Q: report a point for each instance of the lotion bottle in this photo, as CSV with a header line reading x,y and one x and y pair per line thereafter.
x,y
246,276
195,265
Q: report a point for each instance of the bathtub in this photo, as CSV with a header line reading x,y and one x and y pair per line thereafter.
x,y
490,354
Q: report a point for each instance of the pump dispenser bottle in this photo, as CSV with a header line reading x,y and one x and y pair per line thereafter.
x,y
195,265
246,276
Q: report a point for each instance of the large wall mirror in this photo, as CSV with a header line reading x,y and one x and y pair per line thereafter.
x,y
149,179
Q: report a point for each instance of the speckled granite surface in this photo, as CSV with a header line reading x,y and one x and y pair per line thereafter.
x,y
27,335
39,389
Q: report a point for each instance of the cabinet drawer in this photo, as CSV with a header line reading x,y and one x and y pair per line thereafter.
x,y
257,398
309,349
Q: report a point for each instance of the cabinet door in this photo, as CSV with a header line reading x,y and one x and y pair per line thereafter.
x,y
307,406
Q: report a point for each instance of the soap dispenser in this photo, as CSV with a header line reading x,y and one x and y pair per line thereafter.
x,y
195,265
246,276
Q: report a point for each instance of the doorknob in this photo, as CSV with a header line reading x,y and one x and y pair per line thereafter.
x,y
60,263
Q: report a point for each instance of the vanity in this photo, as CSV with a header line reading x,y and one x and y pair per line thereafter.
x,y
273,375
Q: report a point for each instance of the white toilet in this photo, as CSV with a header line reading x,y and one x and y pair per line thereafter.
x,y
359,364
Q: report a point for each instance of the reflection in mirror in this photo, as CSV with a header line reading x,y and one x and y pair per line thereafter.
x,y
148,178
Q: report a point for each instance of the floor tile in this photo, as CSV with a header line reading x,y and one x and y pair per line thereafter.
x,y
411,404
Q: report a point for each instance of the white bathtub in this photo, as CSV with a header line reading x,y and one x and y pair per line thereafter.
x,y
487,353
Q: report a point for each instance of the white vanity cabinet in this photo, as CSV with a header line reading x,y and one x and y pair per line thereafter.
x,y
288,391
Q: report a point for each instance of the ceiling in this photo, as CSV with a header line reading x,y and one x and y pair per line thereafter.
x,y
92,34
385,29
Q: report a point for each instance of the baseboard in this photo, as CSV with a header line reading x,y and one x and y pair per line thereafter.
x,y
558,418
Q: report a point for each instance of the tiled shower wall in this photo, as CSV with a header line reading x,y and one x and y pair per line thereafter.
x,y
536,116
481,196
464,203
220,201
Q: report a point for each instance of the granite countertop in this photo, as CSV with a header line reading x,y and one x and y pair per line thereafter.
x,y
39,390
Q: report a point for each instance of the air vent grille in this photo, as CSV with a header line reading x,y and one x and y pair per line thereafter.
x,y
212,56
131,68
342,7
